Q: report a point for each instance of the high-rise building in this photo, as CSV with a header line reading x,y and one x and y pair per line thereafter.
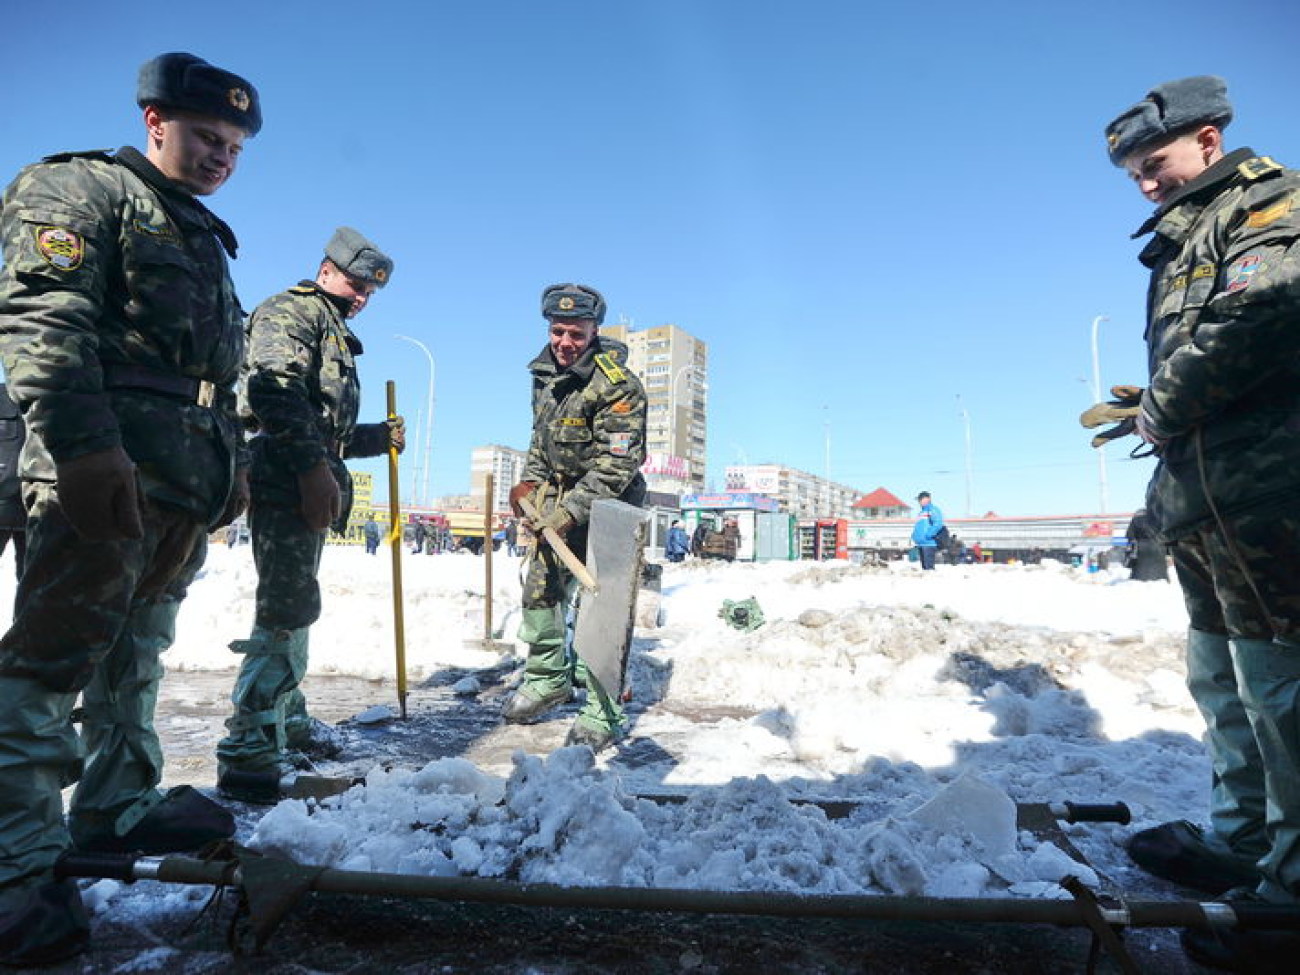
x,y
505,464
802,494
673,365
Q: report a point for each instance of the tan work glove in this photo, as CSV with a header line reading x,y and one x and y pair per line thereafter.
x,y
558,519
320,502
1121,411
100,496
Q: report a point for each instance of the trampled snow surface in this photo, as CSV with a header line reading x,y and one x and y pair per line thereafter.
x,y
935,701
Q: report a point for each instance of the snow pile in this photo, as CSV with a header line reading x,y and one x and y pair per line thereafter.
x,y
561,820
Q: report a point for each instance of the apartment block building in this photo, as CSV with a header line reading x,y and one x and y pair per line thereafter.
x,y
802,494
505,464
673,365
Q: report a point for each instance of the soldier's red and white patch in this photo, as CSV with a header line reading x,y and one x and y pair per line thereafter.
x,y
620,444
60,247
1240,272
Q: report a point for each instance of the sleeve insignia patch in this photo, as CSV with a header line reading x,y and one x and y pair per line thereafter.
x,y
620,444
1269,214
1240,273
622,406
61,248
161,231
1203,271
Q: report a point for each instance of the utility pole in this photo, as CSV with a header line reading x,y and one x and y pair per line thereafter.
x,y
1096,398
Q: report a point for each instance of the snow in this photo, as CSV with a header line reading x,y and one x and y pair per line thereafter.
x,y
936,701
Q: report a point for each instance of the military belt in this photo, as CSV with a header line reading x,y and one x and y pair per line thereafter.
x,y
202,392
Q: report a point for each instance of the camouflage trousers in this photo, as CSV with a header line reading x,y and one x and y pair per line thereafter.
x,y
79,610
287,555
1240,578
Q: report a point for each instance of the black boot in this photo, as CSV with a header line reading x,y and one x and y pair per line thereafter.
x,y
1179,852
185,820
1259,951
42,924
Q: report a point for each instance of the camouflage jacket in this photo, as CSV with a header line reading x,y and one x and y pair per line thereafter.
x,y
300,389
588,428
116,298
1223,337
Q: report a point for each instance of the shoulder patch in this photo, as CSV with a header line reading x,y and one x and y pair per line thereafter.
x,y
301,289
1267,215
610,368
61,248
1258,166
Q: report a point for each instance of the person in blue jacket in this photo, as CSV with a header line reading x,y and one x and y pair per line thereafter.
x,y
928,525
677,544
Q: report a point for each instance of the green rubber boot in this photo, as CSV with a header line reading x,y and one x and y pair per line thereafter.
x,y
1268,672
546,674
273,667
602,721
124,757
1237,798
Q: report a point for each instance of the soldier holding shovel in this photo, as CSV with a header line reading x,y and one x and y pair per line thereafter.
x,y
588,444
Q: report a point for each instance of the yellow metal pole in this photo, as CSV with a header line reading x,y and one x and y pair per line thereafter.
x,y
489,487
395,544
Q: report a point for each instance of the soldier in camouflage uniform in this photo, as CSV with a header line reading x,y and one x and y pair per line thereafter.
x,y
301,399
121,338
589,415
1222,409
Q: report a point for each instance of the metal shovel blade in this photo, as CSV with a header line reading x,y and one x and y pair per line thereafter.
x,y
615,552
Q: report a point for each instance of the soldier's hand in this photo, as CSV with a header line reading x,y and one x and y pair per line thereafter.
x,y
523,489
397,433
100,496
237,503
558,520
320,502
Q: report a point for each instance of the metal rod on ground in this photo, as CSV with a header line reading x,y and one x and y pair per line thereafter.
x,y
571,561
395,545
1014,910
490,489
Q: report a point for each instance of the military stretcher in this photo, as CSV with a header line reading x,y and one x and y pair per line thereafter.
x,y
271,887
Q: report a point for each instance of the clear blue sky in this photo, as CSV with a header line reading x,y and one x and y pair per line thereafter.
x,y
867,210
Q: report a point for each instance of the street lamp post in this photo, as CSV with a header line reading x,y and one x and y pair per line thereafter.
x,y
965,418
1096,398
423,493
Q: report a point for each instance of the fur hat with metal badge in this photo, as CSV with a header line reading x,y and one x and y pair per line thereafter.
x,y
187,82
358,257
573,301
1169,110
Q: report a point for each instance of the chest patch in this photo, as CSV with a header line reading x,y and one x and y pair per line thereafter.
x,y
1241,272
61,248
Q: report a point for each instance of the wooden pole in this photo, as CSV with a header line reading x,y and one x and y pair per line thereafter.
x,y
487,557
395,545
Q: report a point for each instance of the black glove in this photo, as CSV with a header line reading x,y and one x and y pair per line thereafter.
x,y
397,433
99,495
320,501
